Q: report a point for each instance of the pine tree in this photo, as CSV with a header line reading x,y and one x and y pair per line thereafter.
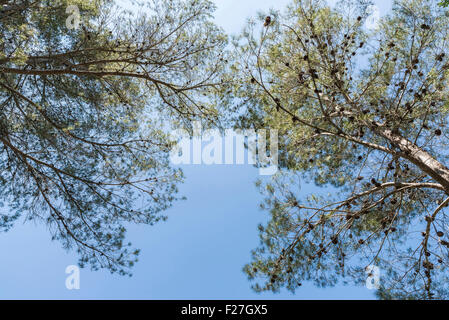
x,y
362,114
85,112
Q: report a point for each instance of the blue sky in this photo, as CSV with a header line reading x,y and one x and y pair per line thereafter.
x,y
197,254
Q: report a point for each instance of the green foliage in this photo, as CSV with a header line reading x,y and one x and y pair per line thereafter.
x,y
85,114
363,114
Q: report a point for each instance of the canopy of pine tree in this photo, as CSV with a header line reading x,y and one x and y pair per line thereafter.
x,y
363,114
84,114
444,3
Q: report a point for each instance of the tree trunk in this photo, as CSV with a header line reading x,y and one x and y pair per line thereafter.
x,y
424,160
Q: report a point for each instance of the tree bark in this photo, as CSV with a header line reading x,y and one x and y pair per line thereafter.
x,y
421,158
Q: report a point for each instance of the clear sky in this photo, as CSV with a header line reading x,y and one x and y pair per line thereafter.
x,y
197,254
